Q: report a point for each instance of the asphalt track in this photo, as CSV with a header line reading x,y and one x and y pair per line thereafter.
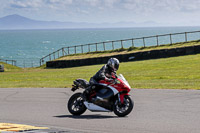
x,y
155,111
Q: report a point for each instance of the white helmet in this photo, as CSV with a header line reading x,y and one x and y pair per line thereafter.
x,y
113,63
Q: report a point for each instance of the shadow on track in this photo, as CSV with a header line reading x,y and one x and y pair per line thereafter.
x,y
97,116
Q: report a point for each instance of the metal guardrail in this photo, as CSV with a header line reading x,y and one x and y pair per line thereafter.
x,y
73,49
12,62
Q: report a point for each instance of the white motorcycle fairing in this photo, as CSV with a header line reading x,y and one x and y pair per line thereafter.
x,y
95,108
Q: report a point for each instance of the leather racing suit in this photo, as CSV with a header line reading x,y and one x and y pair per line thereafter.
x,y
105,73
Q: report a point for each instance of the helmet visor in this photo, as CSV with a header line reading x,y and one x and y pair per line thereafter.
x,y
116,66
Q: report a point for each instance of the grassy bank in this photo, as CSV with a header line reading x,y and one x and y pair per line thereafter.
x,y
128,50
169,73
10,68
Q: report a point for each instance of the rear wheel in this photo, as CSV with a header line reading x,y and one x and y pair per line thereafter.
x,y
76,105
124,109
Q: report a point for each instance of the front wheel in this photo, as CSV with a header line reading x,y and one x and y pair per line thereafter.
x,y
124,109
76,105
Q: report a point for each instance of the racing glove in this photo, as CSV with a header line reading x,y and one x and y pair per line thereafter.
x,y
108,79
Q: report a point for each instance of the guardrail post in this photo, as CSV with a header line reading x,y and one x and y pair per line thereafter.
x,y
49,57
58,54
63,52
96,47
82,48
143,41
170,38
157,40
104,46
75,49
122,44
68,50
185,36
113,45
88,47
132,43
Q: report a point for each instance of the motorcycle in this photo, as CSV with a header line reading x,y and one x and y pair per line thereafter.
x,y
103,97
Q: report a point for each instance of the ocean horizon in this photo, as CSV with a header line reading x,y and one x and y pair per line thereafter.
x,y
27,47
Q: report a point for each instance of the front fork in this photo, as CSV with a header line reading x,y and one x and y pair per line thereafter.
x,y
121,97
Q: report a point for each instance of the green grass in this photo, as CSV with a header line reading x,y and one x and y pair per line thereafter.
x,y
168,73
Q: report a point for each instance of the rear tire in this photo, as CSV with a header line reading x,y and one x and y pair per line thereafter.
x,y
76,105
125,108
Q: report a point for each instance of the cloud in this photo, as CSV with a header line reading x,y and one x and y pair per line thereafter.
x,y
111,3
137,6
103,10
39,3
82,11
53,1
58,5
25,3
189,6
65,2
93,3
160,6
100,3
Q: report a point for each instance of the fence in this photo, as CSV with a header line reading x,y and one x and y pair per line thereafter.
x,y
28,62
135,56
23,63
12,62
116,44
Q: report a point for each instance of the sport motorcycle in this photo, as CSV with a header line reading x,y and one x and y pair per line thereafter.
x,y
106,96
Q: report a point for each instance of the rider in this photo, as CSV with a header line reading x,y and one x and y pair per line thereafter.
x,y
105,73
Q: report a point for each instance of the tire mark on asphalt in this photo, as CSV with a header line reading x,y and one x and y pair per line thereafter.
x,y
170,98
10,95
67,94
195,96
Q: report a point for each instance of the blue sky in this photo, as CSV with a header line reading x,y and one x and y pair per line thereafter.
x,y
168,12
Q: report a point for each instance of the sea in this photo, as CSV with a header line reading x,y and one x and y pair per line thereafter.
x,y
27,47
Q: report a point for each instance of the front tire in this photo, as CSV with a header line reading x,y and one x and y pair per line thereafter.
x,y
76,105
124,109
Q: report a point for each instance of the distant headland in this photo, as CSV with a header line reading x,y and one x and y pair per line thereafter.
x,y
16,21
